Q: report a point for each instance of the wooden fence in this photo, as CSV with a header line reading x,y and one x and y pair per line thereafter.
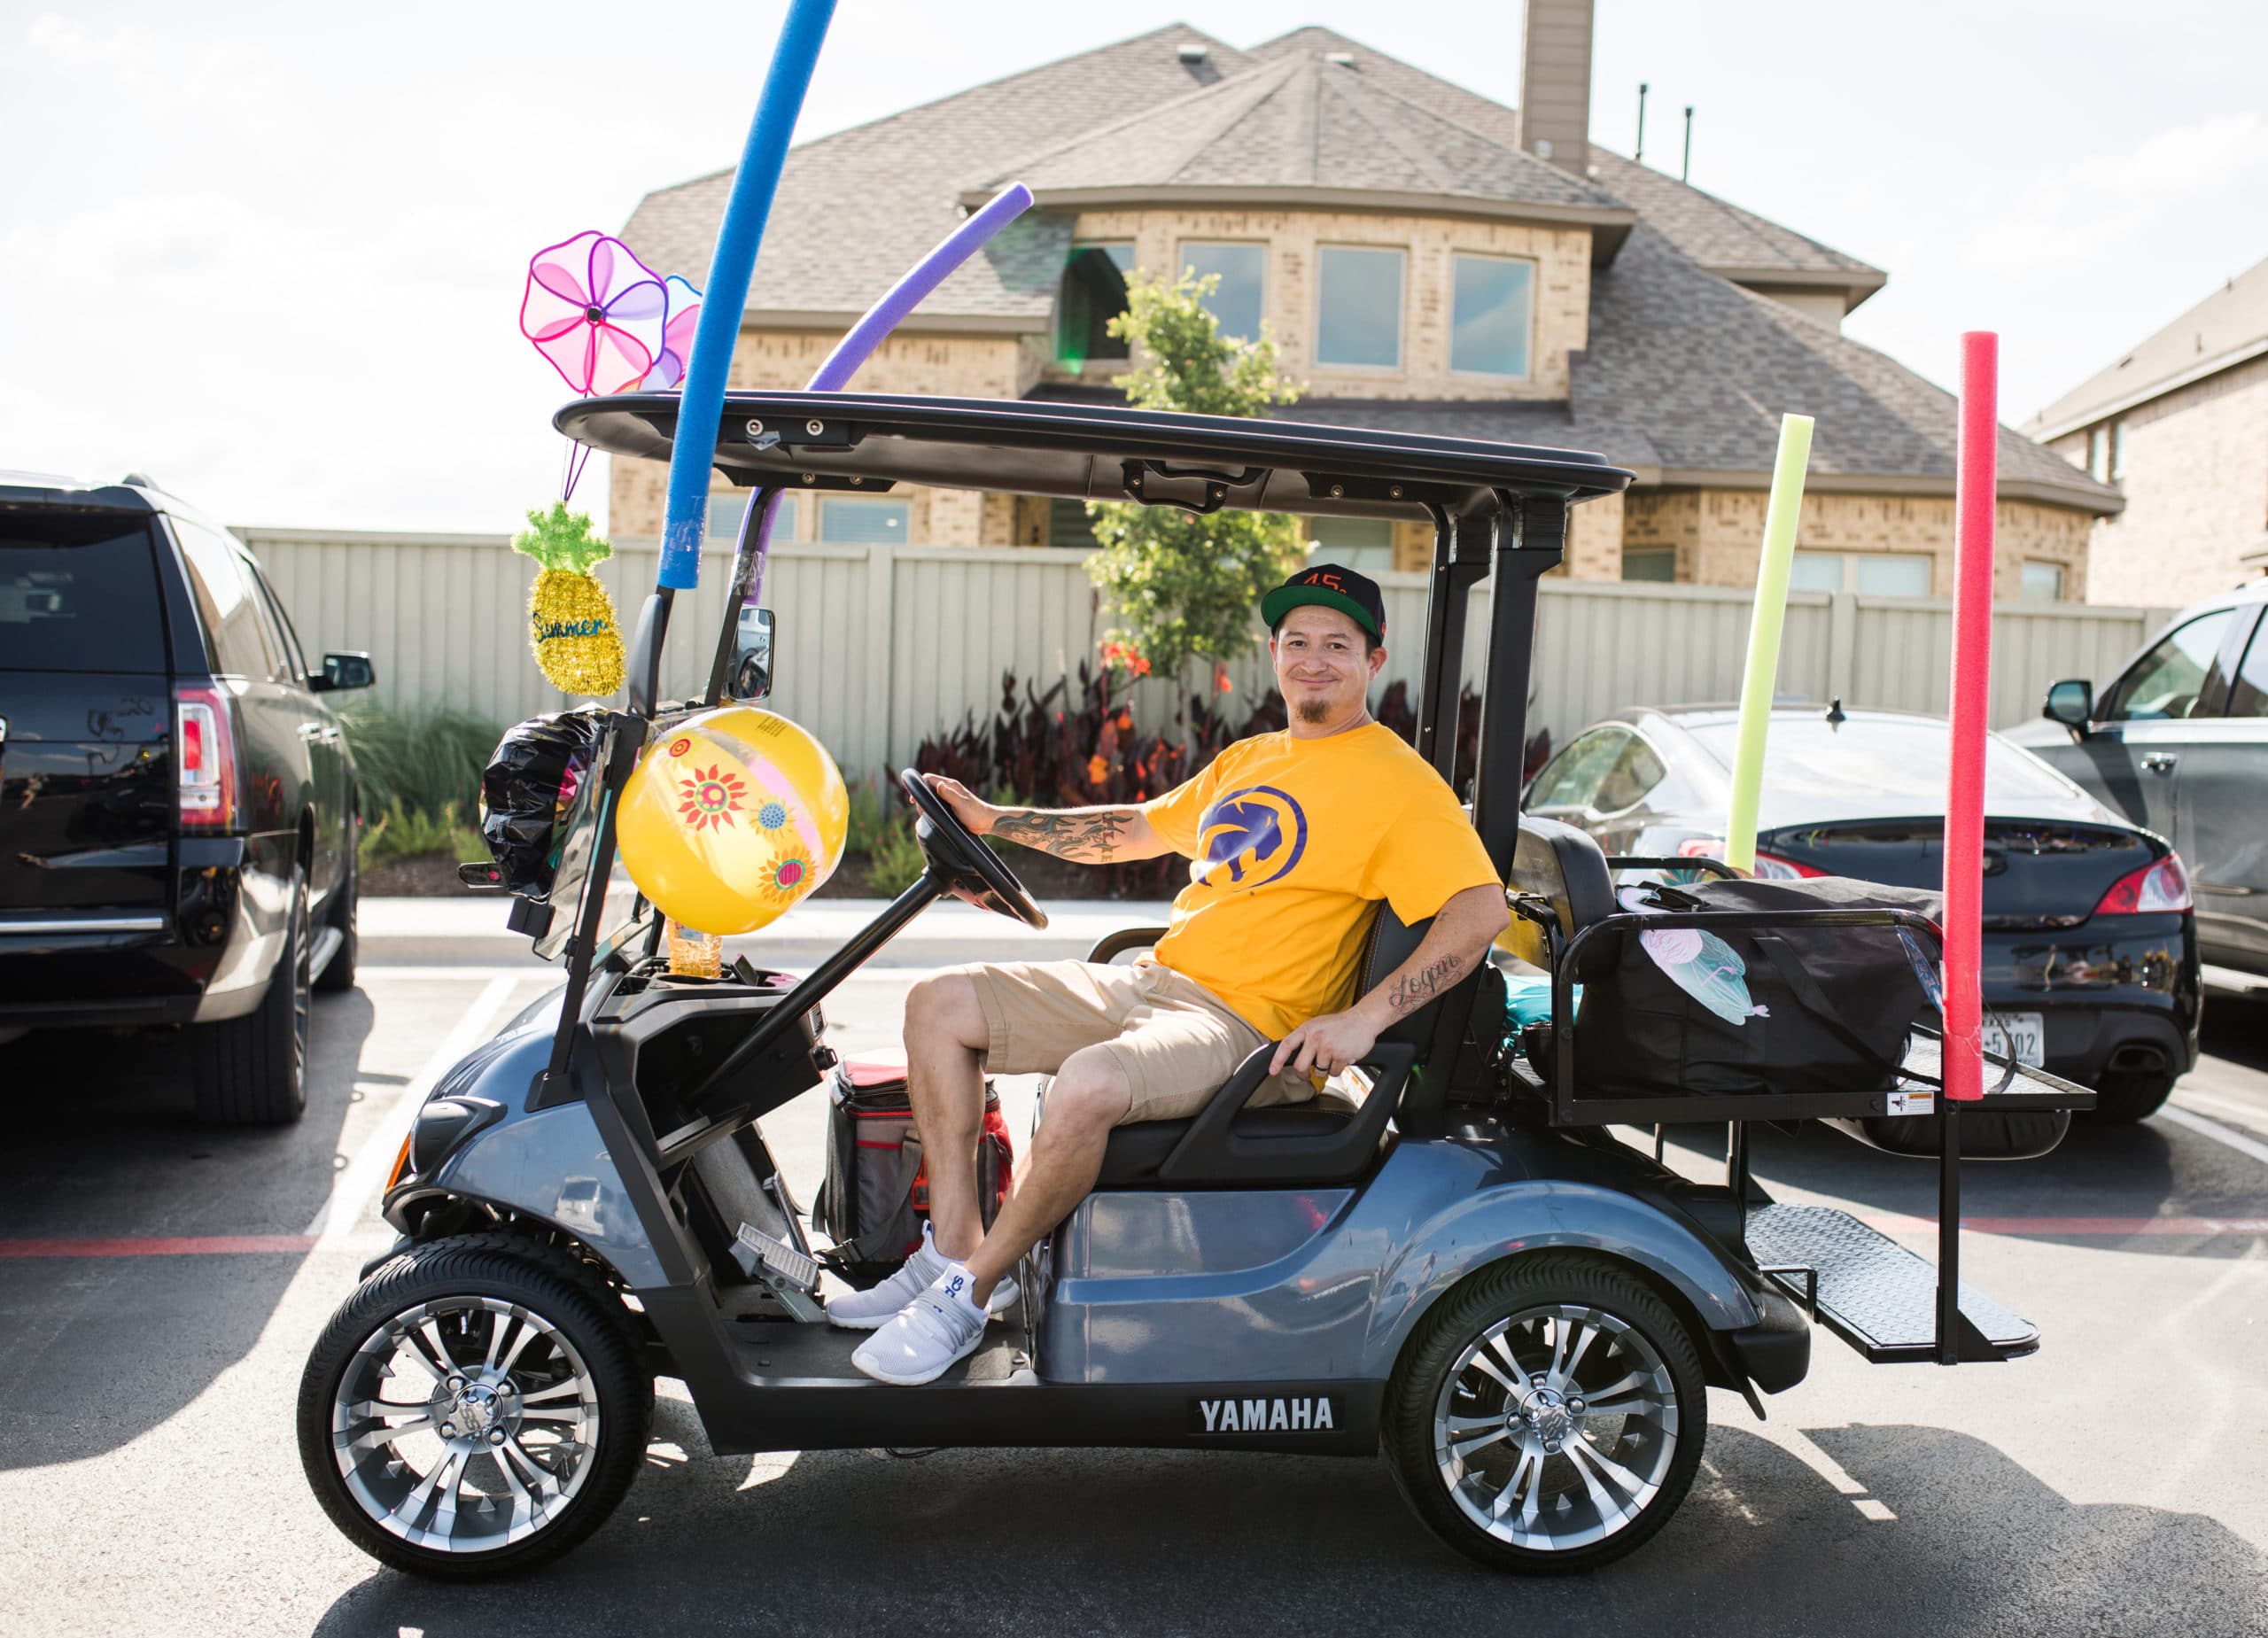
x,y
879,647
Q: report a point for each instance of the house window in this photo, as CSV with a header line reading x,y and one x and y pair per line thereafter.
x,y
1358,307
1235,303
1489,326
2098,454
1092,293
1873,574
847,520
2117,452
1649,563
2042,583
1068,525
1363,544
726,511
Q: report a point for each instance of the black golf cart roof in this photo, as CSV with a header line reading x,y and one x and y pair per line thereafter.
x,y
867,442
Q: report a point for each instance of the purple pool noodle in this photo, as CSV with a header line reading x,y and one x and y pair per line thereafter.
x,y
860,342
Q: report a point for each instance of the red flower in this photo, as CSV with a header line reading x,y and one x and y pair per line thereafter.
x,y
1097,770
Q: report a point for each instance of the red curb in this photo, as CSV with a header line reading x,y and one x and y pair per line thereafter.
x,y
193,1245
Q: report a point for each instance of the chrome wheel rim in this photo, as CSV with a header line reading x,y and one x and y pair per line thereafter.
x,y
1555,1427
465,1425
303,978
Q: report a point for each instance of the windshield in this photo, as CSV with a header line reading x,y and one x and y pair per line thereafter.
x,y
1899,758
79,593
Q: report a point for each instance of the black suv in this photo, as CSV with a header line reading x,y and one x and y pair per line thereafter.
x,y
177,801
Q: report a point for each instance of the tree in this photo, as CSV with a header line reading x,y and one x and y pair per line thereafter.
x,y
1184,587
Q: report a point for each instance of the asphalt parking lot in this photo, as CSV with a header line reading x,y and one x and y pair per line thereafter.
x,y
159,1285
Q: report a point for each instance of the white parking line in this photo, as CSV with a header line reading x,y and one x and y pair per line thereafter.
x,y
366,1172
1799,1445
2214,1130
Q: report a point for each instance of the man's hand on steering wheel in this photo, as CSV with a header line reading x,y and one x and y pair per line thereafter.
x,y
1331,1043
971,809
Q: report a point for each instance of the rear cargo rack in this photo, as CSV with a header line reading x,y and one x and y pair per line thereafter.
x,y
1881,1299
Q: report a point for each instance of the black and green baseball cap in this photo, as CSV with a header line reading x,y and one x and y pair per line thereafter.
x,y
1353,594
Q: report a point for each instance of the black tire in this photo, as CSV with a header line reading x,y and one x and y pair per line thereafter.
x,y
470,1288
2123,1099
253,1071
1530,1302
339,976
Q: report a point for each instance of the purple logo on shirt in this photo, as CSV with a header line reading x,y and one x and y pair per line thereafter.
x,y
1258,833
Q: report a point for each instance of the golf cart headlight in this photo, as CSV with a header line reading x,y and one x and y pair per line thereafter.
x,y
444,1123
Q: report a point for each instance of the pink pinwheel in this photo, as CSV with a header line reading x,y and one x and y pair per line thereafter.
x,y
596,311
684,309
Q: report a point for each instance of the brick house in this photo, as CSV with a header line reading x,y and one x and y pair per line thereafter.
x,y
1425,261
2179,426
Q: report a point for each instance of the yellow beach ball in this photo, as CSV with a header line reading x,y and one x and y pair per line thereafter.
x,y
730,818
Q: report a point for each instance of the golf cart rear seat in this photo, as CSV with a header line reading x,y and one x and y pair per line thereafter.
x,y
1225,1144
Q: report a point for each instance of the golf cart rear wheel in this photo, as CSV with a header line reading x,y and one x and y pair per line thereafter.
x,y
472,1410
1547,1415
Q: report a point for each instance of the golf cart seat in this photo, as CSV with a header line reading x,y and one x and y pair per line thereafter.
x,y
1225,1144
1559,885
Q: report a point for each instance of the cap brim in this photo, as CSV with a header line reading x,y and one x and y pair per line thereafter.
x,y
1284,599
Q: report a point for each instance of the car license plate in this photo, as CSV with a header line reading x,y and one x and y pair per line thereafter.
x,y
2020,1036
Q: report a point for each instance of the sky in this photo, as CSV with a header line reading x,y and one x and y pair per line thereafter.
x,y
272,255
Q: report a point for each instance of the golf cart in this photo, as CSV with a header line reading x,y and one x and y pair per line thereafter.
x,y
1476,1271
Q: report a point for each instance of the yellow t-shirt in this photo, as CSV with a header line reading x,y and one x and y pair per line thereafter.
x,y
1293,842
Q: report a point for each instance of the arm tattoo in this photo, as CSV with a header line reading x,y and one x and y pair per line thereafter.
x,y
1416,988
1088,836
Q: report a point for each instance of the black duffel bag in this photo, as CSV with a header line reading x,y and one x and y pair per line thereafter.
x,y
525,791
1795,1008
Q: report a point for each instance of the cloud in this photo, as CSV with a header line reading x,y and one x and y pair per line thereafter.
x,y
2105,200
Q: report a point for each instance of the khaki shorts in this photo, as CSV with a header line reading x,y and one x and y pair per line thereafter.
x,y
1176,1040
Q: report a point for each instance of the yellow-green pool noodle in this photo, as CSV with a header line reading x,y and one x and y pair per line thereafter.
x,y
1778,557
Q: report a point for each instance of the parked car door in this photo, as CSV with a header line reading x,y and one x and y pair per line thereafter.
x,y
2147,719
334,793
2221,794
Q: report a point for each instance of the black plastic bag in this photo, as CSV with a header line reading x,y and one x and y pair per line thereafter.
x,y
525,791
1818,1009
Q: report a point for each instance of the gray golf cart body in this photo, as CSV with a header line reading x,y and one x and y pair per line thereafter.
x,y
1247,1277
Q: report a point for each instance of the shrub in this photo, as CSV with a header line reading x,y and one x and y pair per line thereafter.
x,y
882,834
425,760
401,832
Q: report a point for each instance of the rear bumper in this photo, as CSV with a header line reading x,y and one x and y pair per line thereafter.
x,y
207,957
2127,999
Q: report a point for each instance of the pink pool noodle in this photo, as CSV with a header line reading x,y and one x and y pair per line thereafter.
x,y
1972,683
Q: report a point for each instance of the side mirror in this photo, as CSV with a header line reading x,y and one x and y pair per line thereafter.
x,y
2071,702
750,678
341,671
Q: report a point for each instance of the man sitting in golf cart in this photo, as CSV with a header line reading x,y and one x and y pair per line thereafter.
x,y
1296,837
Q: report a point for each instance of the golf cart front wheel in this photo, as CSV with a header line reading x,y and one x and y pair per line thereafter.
x,y
1547,1415
472,1410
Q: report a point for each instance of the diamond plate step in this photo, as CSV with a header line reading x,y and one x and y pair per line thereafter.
x,y
1872,1292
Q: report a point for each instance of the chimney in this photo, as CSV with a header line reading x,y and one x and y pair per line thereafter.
x,y
1556,83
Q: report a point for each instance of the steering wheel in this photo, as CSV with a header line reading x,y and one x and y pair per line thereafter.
x,y
968,869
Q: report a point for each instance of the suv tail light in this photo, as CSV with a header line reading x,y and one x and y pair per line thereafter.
x,y
2163,886
1769,866
206,734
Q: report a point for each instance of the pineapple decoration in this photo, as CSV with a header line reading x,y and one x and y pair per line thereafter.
x,y
570,619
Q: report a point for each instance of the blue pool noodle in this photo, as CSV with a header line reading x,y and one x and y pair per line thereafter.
x,y
702,404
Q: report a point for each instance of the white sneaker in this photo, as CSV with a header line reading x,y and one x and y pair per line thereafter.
x,y
928,1336
863,1310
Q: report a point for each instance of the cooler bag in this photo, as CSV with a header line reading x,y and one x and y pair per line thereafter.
x,y
875,1196
1794,1009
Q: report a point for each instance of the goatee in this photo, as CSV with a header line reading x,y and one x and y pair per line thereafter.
x,y
1314,711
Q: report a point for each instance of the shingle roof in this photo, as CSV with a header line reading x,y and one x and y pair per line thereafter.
x,y
1301,122
2227,327
1720,237
856,209
1707,368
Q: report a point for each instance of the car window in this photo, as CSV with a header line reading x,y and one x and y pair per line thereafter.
x,y
295,658
1637,771
2248,696
79,593
2176,680
242,642
1572,778
1896,759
